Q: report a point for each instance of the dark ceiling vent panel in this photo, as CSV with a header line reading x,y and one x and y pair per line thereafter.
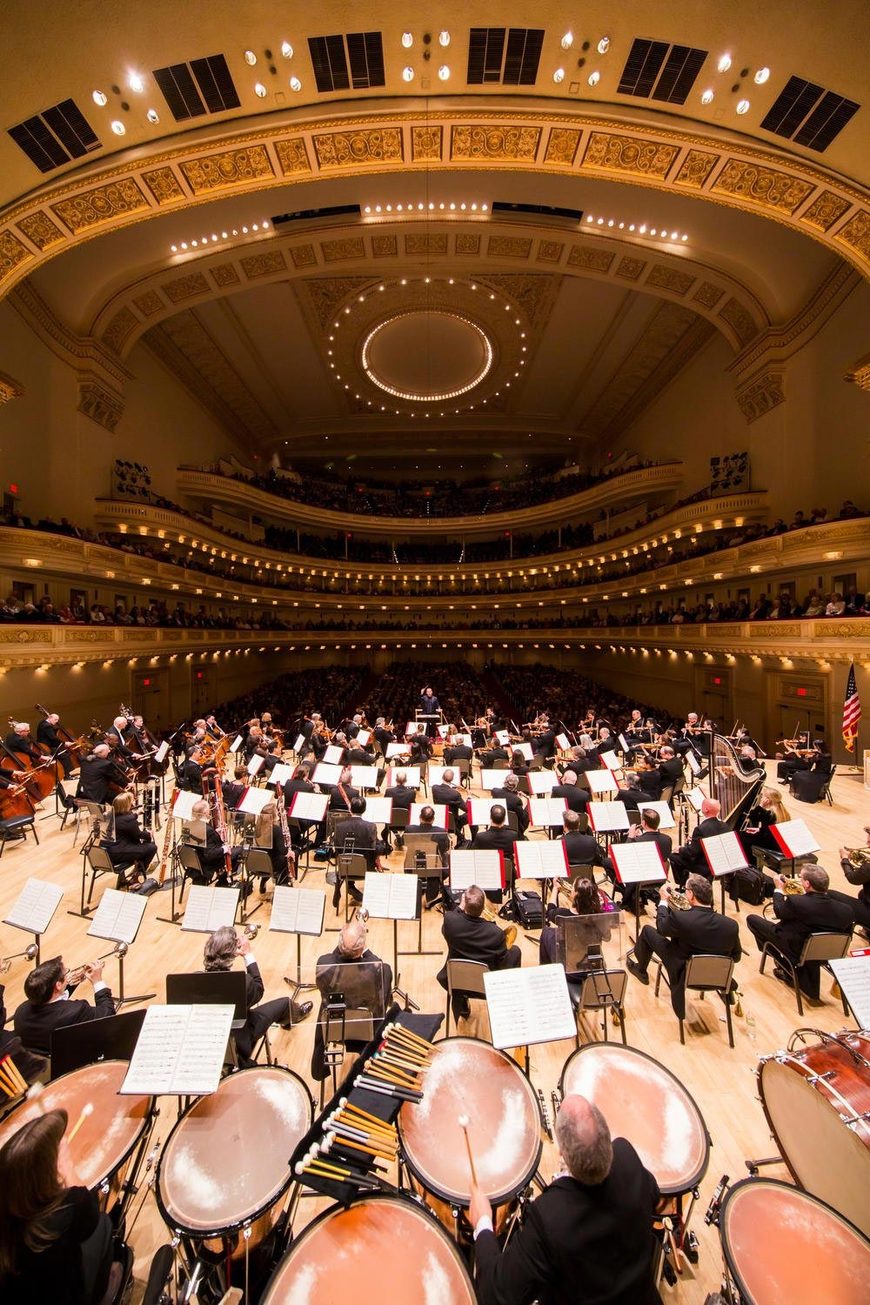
x,y
655,70
808,114
365,53
514,63
329,63
315,214
503,208
200,87
56,136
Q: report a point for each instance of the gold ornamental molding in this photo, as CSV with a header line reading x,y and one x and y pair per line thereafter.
x,y
795,192
859,374
9,388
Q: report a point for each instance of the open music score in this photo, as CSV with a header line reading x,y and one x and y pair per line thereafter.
x,y
325,773
542,781
465,740
608,817
333,755
160,755
624,743
528,1006
489,779
443,731
547,811
541,860
563,742
253,800
379,810
610,760
35,906
396,750
183,804
362,737
390,897
724,853
484,868
255,765
299,744
853,975
236,745
503,737
118,916
601,781
441,813
280,774
794,838
692,762
210,908
436,774
479,810
180,1051
525,750
364,776
415,727
298,910
696,796
665,814
411,773
637,863
309,806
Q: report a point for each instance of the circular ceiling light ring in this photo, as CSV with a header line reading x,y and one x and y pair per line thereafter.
x,y
439,396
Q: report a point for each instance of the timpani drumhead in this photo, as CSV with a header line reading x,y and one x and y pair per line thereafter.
x,y
826,1157
469,1077
381,1249
645,1103
108,1134
782,1245
227,1160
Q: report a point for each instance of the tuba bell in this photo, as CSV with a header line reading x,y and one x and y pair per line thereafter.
x,y
510,929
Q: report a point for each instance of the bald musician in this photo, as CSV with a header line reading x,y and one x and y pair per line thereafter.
x,y
588,1238
352,949
690,858
471,938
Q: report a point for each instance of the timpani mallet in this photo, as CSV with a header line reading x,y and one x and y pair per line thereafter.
x,y
463,1122
87,1110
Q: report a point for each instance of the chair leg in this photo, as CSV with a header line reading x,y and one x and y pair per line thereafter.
x,y
621,1014
658,979
764,955
33,831
682,1034
447,1015
727,996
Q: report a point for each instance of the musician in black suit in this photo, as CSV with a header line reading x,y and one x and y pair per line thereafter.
x,y
402,797
679,935
448,795
354,833
96,772
383,736
19,740
47,735
857,872
690,859
233,789
211,856
441,839
588,1238
665,774
357,755
576,797
471,938
797,916
495,752
630,793
501,837
131,842
351,950
299,782
429,704
508,793
50,1004
421,749
342,794
457,751
646,832
221,949
581,849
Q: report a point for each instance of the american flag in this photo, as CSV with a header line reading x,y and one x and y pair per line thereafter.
x,y
851,711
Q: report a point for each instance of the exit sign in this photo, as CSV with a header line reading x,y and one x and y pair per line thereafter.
x,y
801,693
717,679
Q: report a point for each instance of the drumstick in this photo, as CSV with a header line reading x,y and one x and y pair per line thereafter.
x,y
350,1114
398,1031
358,1110
11,1069
87,1110
367,1139
463,1121
7,1084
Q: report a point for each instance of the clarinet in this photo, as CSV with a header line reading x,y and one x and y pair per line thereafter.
x,y
285,831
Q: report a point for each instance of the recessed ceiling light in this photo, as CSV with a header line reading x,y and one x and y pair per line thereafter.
x,y
604,45
443,72
259,89
152,115
408,73
594,78
295,84
707,97
118,128
724,63
567,40
136,82
99,97
250,57
444,39
559,75
742,106
287,49
407,40
762,75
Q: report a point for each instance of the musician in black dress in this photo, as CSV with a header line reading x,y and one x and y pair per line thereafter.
x,y
131,843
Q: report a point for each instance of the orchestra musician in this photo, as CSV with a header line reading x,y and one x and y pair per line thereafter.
x,y
498,836
588,1238
403,797
664,775
804,762
855,865
797,916
49,1003
441,839
357,755
629,791
220,951
495,752
115,736
455,750
19,740
98,770
233,789
47,735
690,859
131,843
342,794
770,810
587,899
471,938
576,797
212,855
429,704
509,794
580,848
448,795
421,748
351,950
646,832
383,736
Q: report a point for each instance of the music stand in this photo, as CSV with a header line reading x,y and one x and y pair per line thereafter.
x,y
353,1002
391,897
34,909
298,911
112,1038
102,829
211,988
578,935
117,919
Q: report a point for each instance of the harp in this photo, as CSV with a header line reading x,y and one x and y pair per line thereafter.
x,y
735,788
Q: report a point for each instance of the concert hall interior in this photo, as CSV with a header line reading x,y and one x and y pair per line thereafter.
x,y
527,363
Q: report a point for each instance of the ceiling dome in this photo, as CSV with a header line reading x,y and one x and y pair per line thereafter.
x,y
427,355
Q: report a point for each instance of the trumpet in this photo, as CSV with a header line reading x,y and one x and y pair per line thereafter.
x,y
858,857
31,952
79,972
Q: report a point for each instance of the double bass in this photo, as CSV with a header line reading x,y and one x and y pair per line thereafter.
x,y
76,748
39,781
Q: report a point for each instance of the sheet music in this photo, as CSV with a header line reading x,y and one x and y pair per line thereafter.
x,y
255,765
436,774
390,897
364,776
183,804
637,863
118,916
611,760
280,774
490,779
623,743
547,811
35,906
503,737
396,750
179,1052
209,908
853,975
666,815
411,773
484,868
563,742
298,910
693,763
528,1006
415,727
298,744
724,853
440,810
541,860
696,796
541,781
464,739
253,800
479,810
309,806
160,754
379,810
333,755
236,744
443,731
325,773
607,817
794,837
525,749
362,737
601,781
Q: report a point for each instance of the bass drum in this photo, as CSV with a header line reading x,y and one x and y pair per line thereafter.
x,y
781,1245
816,1099
381,1249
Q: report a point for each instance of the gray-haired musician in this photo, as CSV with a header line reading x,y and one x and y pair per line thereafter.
x,y
220,951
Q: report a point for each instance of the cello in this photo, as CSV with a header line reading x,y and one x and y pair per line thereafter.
x,y
39,781
75,747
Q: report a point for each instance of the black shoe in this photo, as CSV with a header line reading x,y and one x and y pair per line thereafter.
x,y
782,975
639,974
300,1010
